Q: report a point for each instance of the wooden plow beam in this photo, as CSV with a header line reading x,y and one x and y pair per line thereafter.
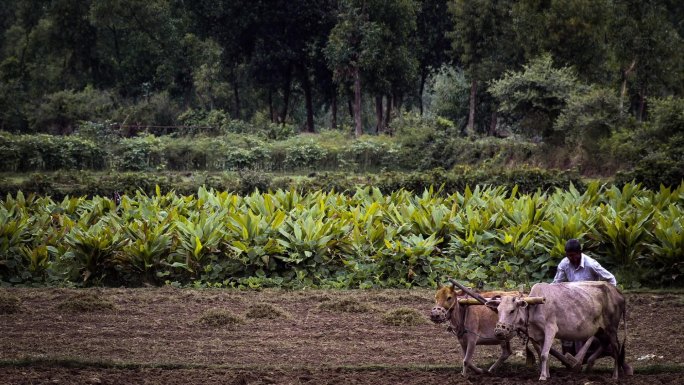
x,y
529,300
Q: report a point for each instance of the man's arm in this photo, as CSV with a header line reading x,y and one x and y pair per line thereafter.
x,y
603,274
560,274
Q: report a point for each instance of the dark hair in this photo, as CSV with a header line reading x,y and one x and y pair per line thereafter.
x,y
573,245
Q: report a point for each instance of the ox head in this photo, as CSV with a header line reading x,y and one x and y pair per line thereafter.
x,y
445,303
511,315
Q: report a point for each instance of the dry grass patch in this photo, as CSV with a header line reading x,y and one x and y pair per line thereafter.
x,y
265,311
403,316
320,297
86,302
347,305
9,303
220,317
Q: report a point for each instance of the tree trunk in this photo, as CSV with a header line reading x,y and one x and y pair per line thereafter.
x,y
271,112
642,105
236,94
492,124
388,111
470,128
358,128
287,90
306,84
423,79
378,114
625,76
334,111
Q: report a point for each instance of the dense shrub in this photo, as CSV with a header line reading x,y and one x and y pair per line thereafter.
x,y
21,153
657,149
62,111
61,184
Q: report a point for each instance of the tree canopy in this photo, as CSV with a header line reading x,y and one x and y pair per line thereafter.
x,y
307,63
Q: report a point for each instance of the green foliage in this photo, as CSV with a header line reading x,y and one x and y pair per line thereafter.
x,y
48,152
92,248
588,117
486,235
533,98
448,92
139,154
62,111
658,149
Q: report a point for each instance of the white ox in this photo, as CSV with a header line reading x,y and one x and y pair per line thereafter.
x,y
575,311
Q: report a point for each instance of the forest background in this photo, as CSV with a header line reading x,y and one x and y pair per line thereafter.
x,y
113,97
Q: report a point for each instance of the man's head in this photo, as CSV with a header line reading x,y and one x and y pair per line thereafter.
x,y
573,250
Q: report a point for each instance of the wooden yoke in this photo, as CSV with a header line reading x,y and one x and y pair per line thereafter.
x,y
480,300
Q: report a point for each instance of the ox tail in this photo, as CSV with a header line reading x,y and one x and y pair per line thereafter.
x,y
621,353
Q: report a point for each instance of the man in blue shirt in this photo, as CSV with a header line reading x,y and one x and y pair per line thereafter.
x,y
577,266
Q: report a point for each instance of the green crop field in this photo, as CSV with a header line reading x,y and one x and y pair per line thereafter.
x,y
488,236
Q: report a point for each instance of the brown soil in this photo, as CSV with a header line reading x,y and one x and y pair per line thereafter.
x,y
156,336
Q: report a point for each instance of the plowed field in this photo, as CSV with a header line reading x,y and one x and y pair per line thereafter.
x,y
168,336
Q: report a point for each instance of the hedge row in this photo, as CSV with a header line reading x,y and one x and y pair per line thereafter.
x,y
332,151
84,183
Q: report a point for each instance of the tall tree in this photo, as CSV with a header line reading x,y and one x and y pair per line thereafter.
x,y
233,24
573,31
394,72
371,43
649,50
432,46
482,29
289,48
353,44
139,43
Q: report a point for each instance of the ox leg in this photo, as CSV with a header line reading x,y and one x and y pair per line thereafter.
x,y
595,356
468,358
464,349
615,344
549,334
627,369
505,353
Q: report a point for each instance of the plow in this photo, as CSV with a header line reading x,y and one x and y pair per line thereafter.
x,y
477,300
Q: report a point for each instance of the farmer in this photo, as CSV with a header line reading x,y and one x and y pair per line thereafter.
x,y
577,266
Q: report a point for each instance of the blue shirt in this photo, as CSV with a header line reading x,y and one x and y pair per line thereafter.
x,y
588,270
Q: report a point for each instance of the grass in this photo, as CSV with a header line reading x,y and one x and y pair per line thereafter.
x,y
220,317
9,304
86,302
265,311
403,316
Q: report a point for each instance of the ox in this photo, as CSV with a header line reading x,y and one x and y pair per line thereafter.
x,y
576,311
473,325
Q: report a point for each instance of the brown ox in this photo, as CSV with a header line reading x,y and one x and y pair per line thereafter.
x,y
575,311
473,325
